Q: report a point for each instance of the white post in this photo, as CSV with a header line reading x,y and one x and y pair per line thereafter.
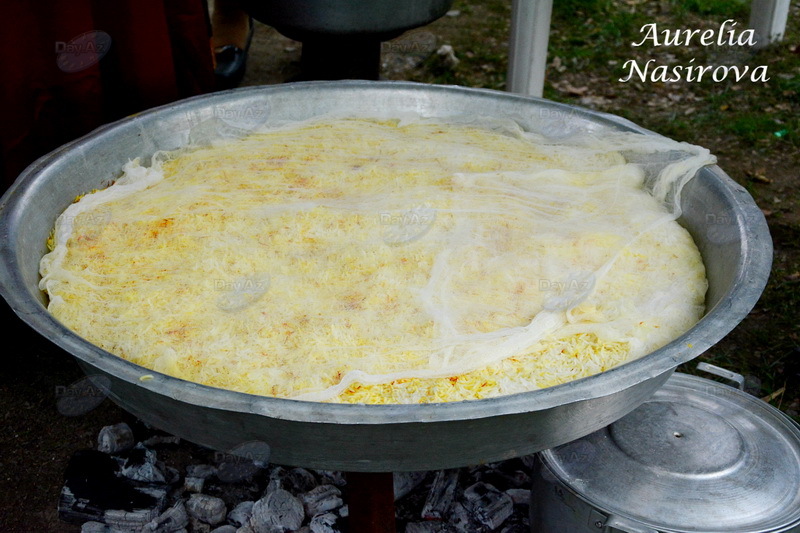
x,y
527,59
768,19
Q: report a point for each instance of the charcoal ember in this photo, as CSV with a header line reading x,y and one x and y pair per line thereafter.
x,y
463,521
440,497
93,487
405,482
139,464
240,514
325,523
194,484
490,506
427,527
119,519
321,499
116,438
201,471
332,477
209,509
277,511
520,496
299,480
173,519
227,528
94,527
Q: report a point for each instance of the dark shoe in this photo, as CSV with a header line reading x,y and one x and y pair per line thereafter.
x,y
231,63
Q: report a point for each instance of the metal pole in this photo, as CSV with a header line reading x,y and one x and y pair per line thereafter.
x,y
768,19
530,33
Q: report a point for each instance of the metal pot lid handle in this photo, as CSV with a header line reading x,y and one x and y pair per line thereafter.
x,y
723,373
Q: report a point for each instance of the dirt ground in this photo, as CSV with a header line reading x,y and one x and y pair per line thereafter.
x,y
37,440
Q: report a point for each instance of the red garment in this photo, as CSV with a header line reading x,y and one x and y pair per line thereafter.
x,y
69,66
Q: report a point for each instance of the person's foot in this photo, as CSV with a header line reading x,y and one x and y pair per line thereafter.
x,y
232,31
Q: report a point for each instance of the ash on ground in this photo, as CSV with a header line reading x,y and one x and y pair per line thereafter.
x,y
139,480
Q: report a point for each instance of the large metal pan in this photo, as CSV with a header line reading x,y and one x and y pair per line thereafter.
x,y
726,224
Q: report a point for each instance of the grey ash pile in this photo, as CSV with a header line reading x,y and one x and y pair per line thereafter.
x,y
140,481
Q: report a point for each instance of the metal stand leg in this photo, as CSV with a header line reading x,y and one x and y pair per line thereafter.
x,y
370,500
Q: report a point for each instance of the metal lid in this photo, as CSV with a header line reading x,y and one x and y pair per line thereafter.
x,y
698,456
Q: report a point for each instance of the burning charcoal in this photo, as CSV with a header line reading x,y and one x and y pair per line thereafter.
x,y
520,496
224,529
129,520
490,506
440,497
321,499
194,484
332,477
462,521
278,509
404,482
299,480
116,438
209,509
92,487
201,471
94,527
324,523
240,514
173,519
139,464
426,527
